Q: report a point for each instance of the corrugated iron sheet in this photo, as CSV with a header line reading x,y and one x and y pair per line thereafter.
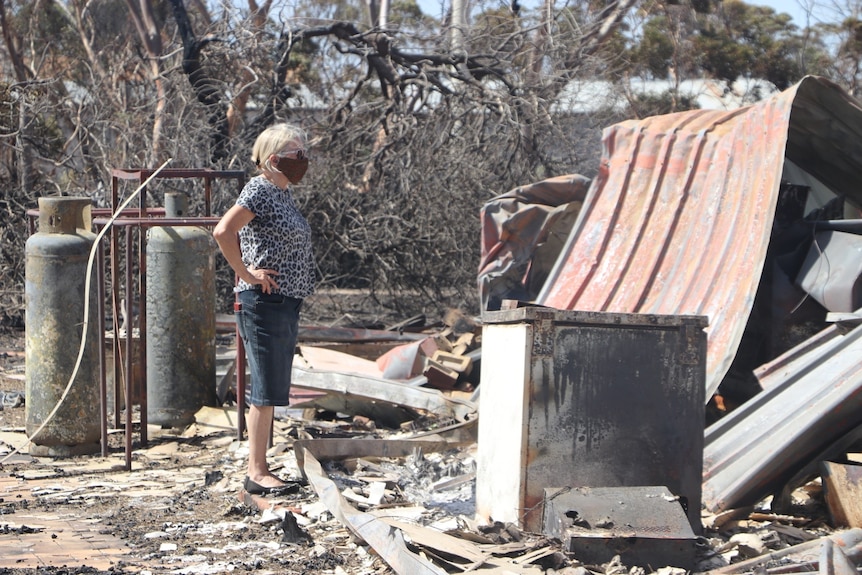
x,y
810,405
679,218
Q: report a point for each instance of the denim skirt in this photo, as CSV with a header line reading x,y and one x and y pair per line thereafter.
x,y
269,327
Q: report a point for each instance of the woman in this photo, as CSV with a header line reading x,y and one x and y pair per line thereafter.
x,y
267,242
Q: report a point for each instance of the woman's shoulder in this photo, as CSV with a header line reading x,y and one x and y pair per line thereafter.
x,y
255,186
256,183
254,194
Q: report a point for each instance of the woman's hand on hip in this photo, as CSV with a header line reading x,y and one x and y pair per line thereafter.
x,y
263,278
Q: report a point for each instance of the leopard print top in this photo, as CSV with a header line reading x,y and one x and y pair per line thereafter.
x,y
278,237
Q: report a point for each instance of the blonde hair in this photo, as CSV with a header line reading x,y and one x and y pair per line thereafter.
x,y
272,140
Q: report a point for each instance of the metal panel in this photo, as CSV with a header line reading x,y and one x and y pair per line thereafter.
x,y
645,525
523,232
812,398
832,270
679,218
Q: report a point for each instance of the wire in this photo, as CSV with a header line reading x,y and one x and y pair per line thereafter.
x,y
83,347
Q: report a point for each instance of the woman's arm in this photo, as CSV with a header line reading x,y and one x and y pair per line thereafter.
x,y
226,234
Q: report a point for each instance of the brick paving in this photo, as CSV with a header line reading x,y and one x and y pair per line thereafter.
x,y
31,539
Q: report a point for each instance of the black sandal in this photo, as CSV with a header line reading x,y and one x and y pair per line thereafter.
x,y
257,489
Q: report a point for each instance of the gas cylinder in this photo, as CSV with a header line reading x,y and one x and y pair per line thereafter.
x,y
180,339
55,269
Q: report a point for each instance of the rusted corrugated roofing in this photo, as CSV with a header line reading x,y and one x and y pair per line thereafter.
x,y
678,219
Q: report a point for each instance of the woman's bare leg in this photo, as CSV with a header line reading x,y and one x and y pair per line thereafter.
x,y
259,423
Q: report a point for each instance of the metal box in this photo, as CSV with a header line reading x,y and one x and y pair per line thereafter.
x,y
588,399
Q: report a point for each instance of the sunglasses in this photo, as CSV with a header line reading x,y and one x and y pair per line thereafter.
x,y
296,154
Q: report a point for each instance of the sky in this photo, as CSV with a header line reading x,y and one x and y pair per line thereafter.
x,y
792,7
